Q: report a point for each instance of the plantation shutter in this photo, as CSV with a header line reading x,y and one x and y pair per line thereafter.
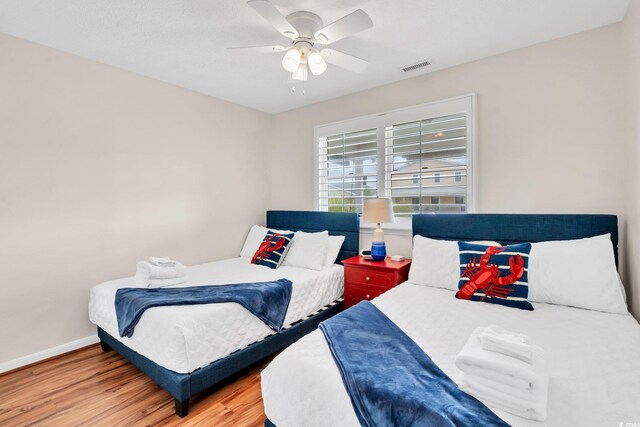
x,y
347,170
426,165
422,157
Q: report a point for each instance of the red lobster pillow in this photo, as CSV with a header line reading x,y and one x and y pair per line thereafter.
x,y
495,274
271,251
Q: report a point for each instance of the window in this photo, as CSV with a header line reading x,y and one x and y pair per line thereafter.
x,y
421,157
348,170
435,201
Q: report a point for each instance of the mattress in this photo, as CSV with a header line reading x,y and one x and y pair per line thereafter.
x,y
593,360
185,338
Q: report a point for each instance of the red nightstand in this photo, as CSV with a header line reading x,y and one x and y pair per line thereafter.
x,y
365,279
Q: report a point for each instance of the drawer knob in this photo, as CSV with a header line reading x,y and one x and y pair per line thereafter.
x,y
368,278
368,296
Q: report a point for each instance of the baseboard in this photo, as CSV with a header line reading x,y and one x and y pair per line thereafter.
x,y
48,353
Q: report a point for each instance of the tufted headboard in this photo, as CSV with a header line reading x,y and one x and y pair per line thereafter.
x,y
516,228
337,223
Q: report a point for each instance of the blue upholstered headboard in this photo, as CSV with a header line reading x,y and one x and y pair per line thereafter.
x,y
337,223
515,228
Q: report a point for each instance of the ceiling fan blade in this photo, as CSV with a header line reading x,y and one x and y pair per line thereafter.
x,y
342,60
269,12
346,26
257,49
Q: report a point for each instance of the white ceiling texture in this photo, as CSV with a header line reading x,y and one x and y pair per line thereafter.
x,y
184,42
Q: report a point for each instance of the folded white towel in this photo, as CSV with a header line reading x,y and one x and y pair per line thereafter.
x,y
151,272
162,261
504,381
530,409
144,282
497,339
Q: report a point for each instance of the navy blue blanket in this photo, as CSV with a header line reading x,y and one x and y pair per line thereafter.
x,y
268,301
390,380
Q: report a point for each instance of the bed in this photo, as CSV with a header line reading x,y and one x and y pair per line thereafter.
x,y
594,363
188,349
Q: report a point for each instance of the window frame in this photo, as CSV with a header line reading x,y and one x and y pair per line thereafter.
x,y
381,121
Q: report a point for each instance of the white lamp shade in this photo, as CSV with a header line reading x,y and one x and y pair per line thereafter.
x,y
291,60
377,210
317,65
301,72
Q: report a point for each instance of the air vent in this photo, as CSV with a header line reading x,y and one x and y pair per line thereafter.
x,y
416,66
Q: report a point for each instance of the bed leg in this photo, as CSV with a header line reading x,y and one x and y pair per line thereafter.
x,y
182,407
105,347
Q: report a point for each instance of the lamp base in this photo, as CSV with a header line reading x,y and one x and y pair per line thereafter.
x,y
378,251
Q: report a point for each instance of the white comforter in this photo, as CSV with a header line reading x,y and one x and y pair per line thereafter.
x,y
594,360
185,338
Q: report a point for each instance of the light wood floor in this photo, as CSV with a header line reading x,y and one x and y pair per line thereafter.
x,y
89,387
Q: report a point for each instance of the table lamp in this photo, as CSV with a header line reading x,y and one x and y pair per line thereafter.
x,y
378,210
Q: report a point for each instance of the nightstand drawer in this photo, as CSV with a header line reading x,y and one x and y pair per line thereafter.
x,y
355,294
365,280
368,277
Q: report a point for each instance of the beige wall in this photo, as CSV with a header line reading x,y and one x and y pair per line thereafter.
x,y
631,38
551,137
100,168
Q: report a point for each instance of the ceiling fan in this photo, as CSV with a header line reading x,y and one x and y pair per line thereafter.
x,y
306,30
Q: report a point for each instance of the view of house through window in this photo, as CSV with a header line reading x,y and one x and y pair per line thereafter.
x,y
348,169
420,157
436,148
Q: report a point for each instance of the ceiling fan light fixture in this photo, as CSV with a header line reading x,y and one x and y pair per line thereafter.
x,y
317,64
301,73
291,60
305,30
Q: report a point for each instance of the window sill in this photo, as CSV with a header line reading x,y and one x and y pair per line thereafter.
x,y
401,227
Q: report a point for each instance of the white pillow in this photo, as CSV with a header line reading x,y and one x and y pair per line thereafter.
x,y
252,242
333,250
256,235
622,290
579,273
307,250
435,263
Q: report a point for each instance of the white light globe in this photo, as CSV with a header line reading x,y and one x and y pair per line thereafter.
x,y
291,60
317,65
301,73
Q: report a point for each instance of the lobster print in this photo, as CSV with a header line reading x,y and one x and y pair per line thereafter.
x,y
485,277
268,245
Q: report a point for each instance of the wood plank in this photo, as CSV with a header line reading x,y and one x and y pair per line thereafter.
x,y
90,387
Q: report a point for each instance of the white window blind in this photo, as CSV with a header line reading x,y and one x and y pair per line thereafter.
x,y
348,170
435,150
422,157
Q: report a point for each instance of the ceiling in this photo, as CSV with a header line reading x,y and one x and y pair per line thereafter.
x,y
183,41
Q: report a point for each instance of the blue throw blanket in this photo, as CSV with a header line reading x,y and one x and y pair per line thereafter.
x,y
390,380
268,301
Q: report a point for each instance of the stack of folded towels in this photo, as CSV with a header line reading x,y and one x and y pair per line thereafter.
x,y
158,272
505,371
